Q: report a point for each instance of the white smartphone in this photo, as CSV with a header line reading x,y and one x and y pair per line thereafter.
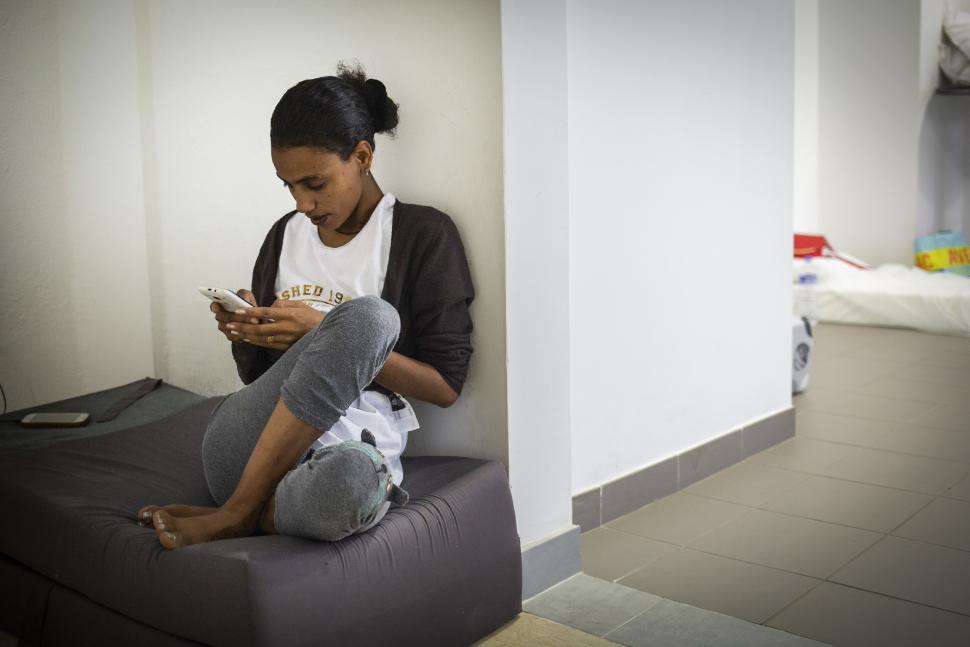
x,y
55,420
229,300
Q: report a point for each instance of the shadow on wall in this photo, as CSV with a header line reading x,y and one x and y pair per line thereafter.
x,y
944,166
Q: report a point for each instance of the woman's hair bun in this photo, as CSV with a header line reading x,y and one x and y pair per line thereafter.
x,y
382,108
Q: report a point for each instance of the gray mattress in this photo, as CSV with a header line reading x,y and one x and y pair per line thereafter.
x,y
76,569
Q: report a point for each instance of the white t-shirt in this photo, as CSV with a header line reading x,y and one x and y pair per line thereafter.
x,y
324,277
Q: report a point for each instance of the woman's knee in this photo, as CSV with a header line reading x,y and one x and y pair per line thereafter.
x,y
369,316
340,491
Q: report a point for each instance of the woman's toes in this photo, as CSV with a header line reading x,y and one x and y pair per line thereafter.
x,y
170,540
167,529
144,515
162,520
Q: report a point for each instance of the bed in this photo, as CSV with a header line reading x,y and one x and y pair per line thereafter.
x,y
75,568
890,295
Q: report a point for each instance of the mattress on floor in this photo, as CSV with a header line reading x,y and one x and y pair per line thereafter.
x,y
162,401
443,570
890,295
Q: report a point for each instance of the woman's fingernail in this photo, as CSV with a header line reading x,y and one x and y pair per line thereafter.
x,y
241,311
230,326
233,332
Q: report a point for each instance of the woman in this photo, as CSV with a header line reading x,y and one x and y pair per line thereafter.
x,y
361,299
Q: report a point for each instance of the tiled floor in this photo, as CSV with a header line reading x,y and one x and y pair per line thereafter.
x,y
855,532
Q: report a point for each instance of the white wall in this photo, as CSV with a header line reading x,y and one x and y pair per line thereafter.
x,y
680,210
869,113
217,71
893,155
805,188
136,166
537,264
72,249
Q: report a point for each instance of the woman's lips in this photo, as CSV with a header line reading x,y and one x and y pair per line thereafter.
x,y
319,220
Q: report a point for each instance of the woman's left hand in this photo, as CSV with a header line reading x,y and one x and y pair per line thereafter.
x,y
290,321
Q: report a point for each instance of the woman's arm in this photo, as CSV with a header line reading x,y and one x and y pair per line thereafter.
x,y
293,319
412,378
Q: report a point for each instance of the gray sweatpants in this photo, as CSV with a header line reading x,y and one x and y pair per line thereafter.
x,y
318,377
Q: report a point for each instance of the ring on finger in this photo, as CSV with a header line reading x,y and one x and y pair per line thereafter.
x,y
269,339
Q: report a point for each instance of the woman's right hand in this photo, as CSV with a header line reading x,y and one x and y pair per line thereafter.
x,y
223,317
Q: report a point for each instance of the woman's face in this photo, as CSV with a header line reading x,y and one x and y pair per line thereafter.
x,y
326,188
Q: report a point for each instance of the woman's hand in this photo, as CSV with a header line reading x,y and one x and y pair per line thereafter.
x,y
278,326
224,317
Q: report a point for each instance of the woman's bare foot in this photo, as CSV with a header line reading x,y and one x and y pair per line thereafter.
x,y
218,523
144,515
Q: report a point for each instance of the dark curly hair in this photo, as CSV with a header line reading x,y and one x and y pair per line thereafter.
x,y
333,112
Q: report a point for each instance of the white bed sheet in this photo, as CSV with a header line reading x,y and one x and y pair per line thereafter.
x,y
890,295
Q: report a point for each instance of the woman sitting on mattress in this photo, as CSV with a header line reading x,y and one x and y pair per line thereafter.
x,y
363,302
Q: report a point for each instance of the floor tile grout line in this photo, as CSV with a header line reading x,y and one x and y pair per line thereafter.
x,y
828,578
888,487
827,521
817,409
703,534
792,603
838,478
842,525
640,567
556,585
719,526
910,517
874,449
842,414
896,451
954,498
896,597
929,543
633,534
731,558
618,627
855,390
927,412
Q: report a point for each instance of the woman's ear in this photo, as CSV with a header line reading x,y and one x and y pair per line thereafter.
x,y
364,155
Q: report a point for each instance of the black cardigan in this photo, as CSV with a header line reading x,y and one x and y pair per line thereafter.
x,y
428,282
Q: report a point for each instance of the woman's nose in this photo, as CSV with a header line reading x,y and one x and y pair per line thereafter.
x,y
304,203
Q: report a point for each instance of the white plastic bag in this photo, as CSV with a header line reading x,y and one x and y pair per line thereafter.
x,y
802,346
954,51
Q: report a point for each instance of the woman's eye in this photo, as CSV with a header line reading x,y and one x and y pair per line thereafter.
x,y
316,188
